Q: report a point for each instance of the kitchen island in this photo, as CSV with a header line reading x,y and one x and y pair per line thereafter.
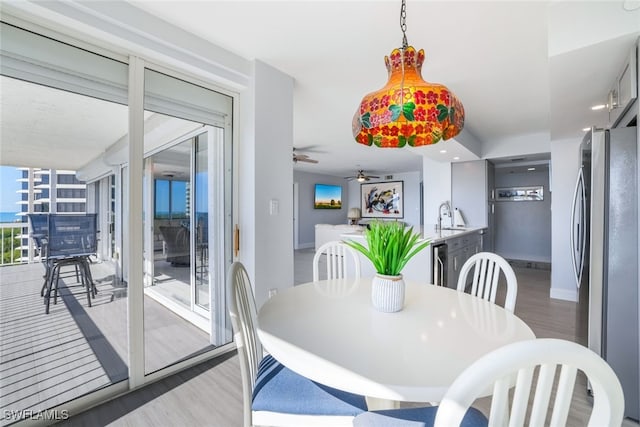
x,y
459,243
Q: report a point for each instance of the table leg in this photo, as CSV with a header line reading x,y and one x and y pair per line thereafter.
x,y
48,265
87,268
54,276
86,279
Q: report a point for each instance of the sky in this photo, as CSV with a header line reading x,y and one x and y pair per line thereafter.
x,y
178,199
324,193
8,188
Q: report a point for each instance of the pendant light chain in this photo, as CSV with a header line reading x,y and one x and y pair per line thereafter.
x,y
403,24
405,44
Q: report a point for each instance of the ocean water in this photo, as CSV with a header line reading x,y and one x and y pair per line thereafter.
x,y
8,217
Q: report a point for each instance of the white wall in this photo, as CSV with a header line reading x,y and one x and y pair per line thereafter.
x,y
411,188
469,192
437,188
565,162
517,146
272,182
523,229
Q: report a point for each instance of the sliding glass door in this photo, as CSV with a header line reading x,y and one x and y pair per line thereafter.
x,y
181,203
186,181
61,106
89,107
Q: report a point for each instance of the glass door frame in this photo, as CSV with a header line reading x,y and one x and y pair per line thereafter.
x,y
149,202
137,376
196,251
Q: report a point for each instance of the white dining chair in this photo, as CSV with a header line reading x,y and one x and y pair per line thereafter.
x,y
514,366
487,267
338,259
273,395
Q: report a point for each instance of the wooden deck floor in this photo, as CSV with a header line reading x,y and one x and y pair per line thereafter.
x,y
46,360
49,359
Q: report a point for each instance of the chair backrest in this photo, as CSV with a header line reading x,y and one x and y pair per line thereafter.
x,y
243,313
515,364
72,235
486,276
176,237
39,225
337,254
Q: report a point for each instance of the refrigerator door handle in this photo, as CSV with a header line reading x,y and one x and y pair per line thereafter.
x,y
574,245
583,235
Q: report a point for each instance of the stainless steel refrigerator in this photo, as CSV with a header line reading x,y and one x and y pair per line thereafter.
x,y
604,244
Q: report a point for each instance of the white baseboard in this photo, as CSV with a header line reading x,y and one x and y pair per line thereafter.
x,y
306,245
564,294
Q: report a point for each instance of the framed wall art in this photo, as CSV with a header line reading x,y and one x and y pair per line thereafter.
x,y
382,200
327,197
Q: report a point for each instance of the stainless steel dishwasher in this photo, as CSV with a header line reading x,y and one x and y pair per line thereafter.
x,y
439,262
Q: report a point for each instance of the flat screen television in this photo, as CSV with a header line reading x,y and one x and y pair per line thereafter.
x,y
327,196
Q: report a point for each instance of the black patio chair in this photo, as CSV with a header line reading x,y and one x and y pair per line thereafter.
x,y
71,239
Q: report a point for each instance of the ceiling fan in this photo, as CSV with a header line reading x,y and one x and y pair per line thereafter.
x,y
361,176
302,158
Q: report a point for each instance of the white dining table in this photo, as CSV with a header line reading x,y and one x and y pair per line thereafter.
x,y
329,332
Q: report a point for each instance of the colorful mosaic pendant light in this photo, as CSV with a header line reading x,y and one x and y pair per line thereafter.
x,y
407,110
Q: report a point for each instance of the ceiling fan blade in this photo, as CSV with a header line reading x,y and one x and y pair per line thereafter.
x,y
313,148
307,160
302,157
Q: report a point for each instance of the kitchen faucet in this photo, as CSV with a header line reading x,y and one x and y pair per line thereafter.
x,y
447,212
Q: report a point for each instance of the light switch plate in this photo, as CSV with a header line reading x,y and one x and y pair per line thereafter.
x,y
274,207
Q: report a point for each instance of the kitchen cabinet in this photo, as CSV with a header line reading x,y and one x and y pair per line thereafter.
x,y
461,245
459,250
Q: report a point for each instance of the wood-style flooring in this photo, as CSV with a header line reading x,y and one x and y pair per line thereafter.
x,y
210,393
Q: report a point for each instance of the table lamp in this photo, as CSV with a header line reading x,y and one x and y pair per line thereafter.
x,y
353,215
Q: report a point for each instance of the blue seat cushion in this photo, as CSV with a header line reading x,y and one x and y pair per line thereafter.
x,y
279,389
414,417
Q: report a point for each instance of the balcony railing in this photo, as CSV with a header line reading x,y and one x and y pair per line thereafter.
x,y
13,247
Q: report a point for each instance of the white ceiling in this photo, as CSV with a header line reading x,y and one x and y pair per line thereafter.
x,y
36,120
501,58
520,68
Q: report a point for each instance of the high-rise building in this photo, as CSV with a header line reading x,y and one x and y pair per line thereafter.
x,y
48,191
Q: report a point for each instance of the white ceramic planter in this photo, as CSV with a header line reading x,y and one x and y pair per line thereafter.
x,y
387,293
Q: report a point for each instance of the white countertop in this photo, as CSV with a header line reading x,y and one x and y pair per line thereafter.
x,y
328,331
429,233
442,235
420,267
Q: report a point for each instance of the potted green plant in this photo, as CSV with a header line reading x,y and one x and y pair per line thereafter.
x,y
390,245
